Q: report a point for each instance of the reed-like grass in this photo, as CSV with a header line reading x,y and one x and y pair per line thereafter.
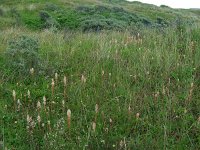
x,y
108,90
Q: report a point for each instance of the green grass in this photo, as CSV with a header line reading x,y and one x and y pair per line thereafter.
x,y
144,80
153,78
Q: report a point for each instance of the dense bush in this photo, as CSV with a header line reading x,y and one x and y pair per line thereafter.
x,y
22,53
48,21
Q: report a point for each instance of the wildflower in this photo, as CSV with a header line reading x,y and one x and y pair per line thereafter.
x,y
65,85
83,78
69,117
93,126
102,73
32,71
65,81
18,104
49,124
28,118
137,115
39,119
38,105
52,86
29,94
14,95
44,101
121,143
198,119
96,108
56,77
129,110
63,103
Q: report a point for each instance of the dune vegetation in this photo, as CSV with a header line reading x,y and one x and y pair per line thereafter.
x,y
98,74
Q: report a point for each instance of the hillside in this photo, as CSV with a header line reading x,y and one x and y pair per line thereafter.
x,y
98,75
90,15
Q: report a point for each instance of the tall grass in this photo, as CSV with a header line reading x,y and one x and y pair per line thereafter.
x,y
108,90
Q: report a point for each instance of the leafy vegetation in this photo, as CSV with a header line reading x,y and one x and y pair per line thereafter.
x,y
131,83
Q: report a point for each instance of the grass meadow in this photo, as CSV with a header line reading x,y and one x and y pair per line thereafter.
x,y
105,90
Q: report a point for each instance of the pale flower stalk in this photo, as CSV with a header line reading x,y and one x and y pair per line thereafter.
x,y
69,118
52,86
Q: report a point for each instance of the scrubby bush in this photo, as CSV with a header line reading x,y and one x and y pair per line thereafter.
x,y
22,53
68,19
48,21
51,7
16,15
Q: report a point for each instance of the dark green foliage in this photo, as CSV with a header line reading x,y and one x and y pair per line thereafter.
x,y
106,18
51,7
1,12
67,19
164,6
16,15
31,20
48,21
22,53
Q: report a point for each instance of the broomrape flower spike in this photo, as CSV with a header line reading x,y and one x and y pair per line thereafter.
x,y
138,115
56,77
39,119
32,71
18,104
96,108
63,103
38,105
94,126
52,86
69,117
83,78
44,101
14,95
29,94
65,81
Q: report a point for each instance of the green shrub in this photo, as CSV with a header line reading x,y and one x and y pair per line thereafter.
x,y
51,7
68,19
22,53
31,20
48,21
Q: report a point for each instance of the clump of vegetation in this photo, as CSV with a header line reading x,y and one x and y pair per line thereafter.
x,y
48,21
133,89
22,53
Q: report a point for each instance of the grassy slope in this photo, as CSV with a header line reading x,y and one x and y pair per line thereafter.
x,y
151,74
31,9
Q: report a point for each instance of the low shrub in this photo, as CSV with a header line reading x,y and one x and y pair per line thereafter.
x,y
22,53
